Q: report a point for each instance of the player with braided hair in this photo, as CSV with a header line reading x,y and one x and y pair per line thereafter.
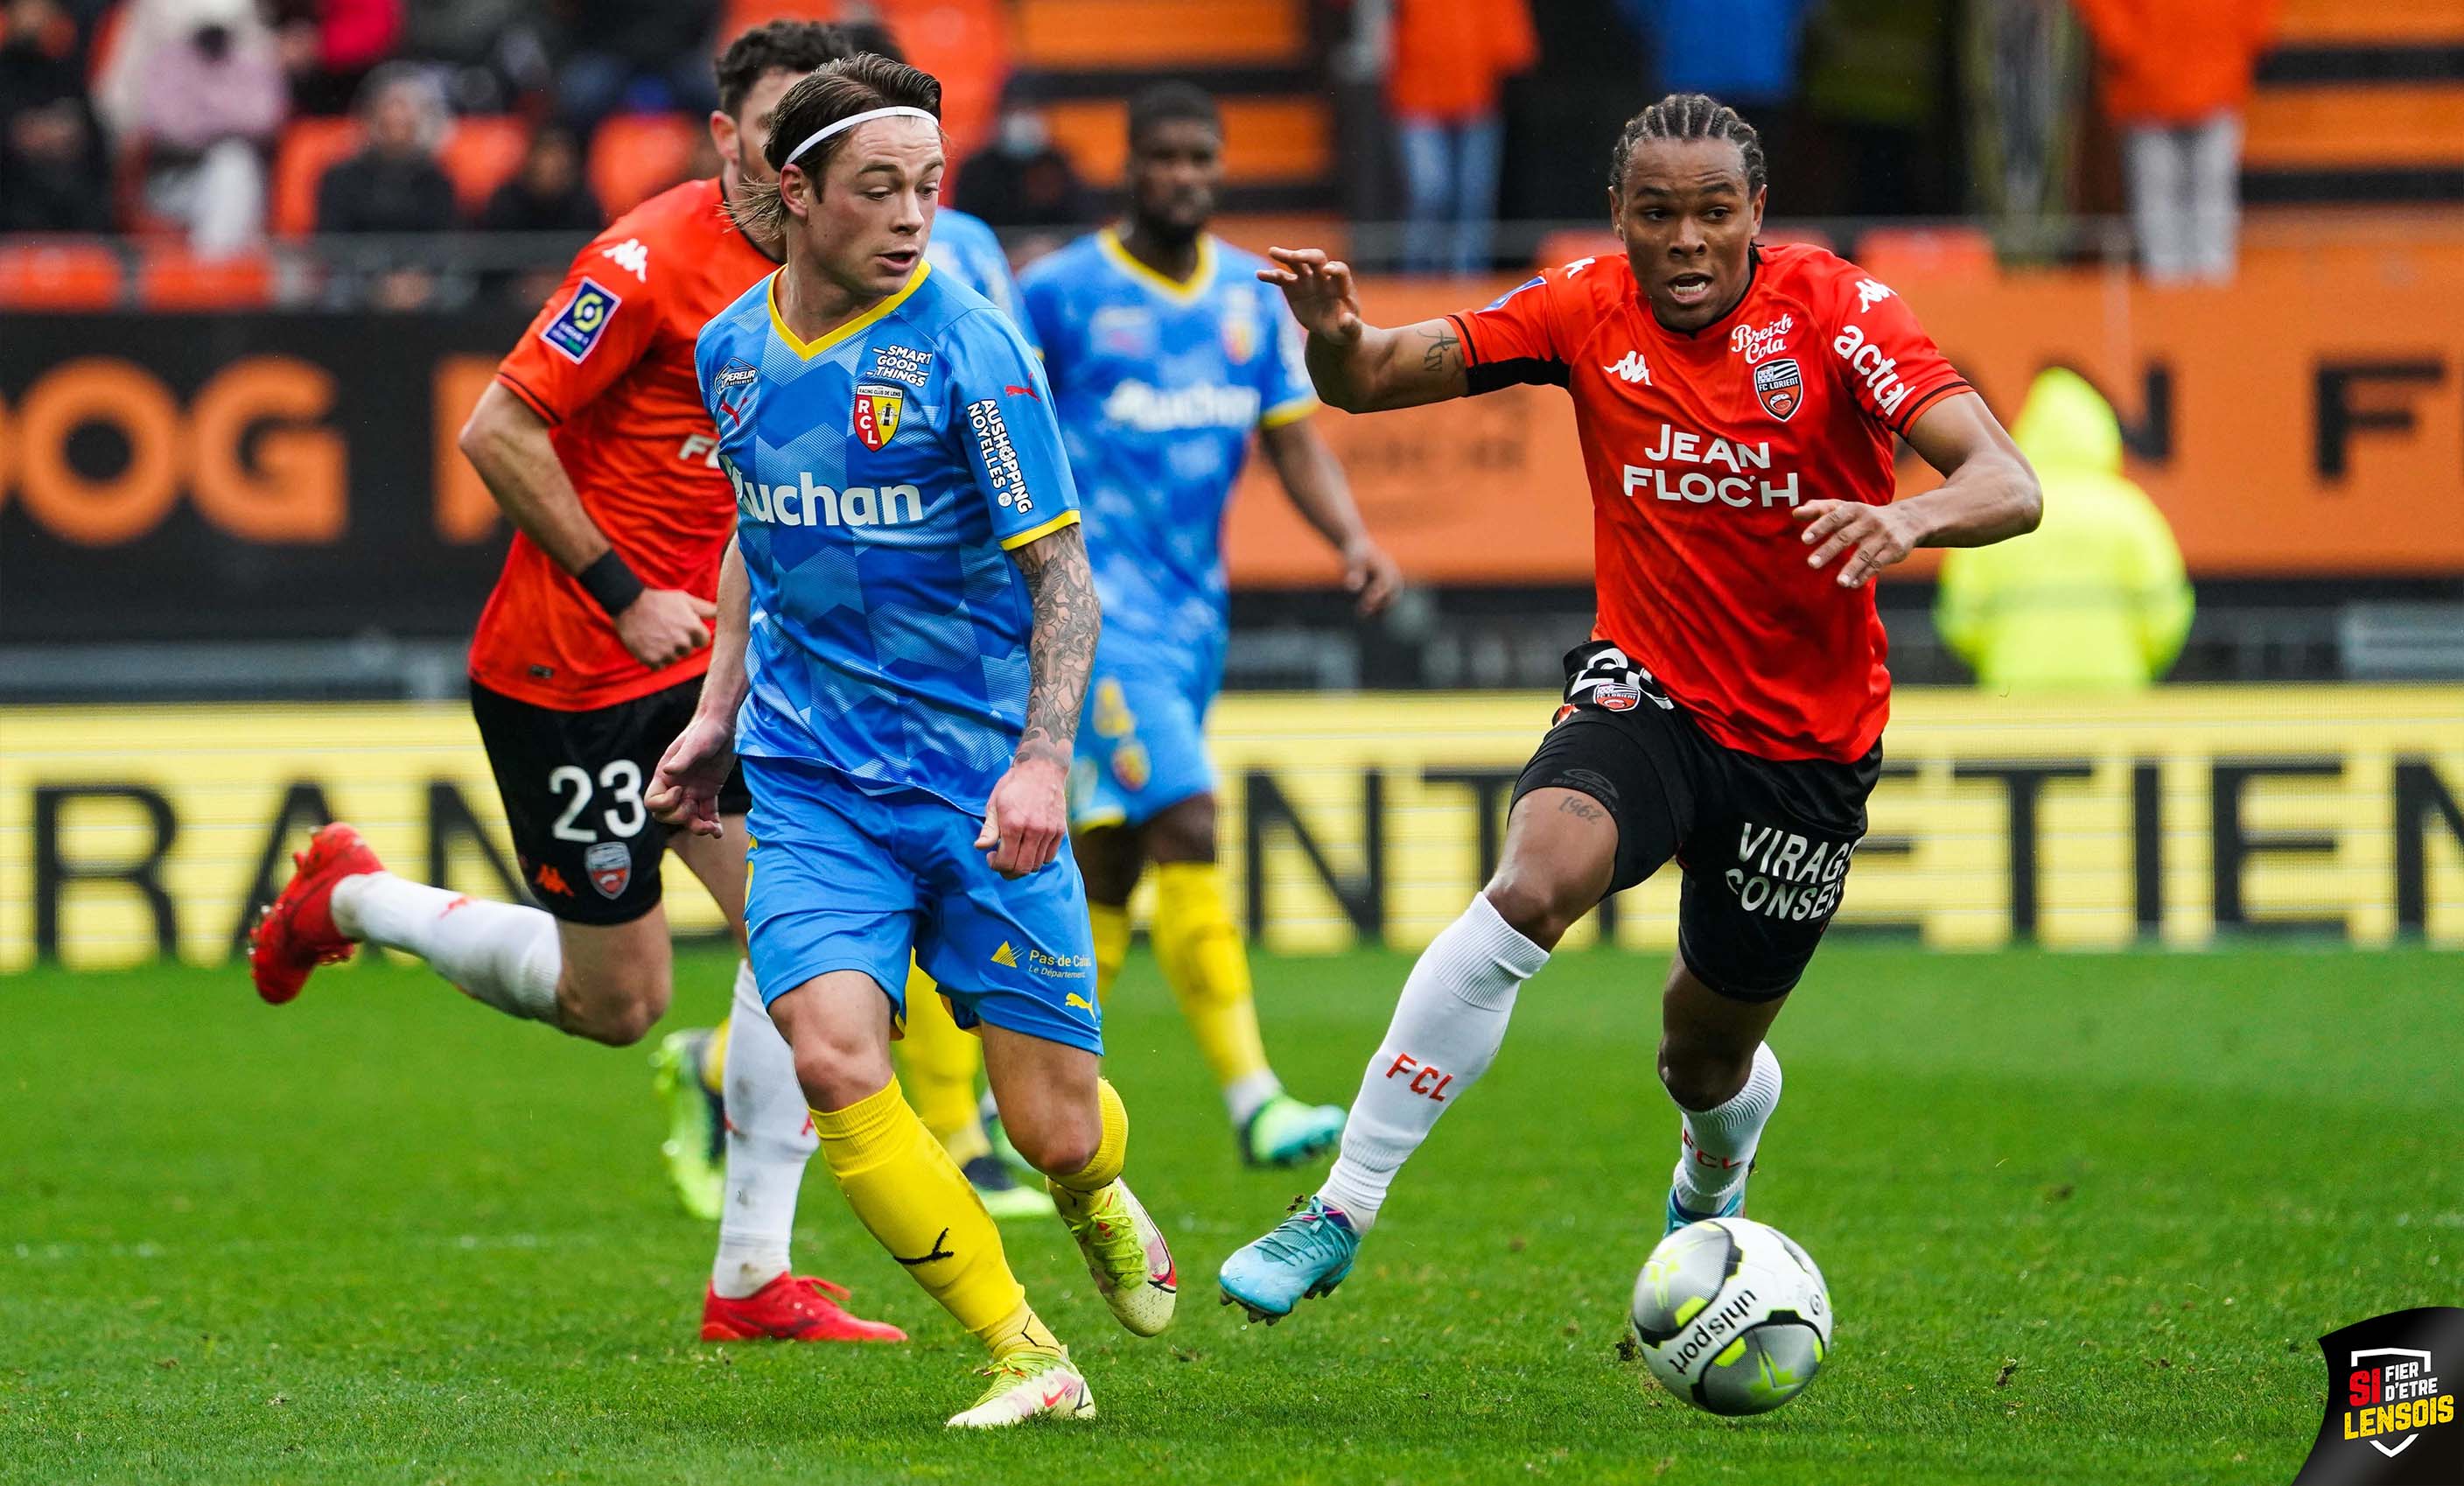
x,y
1736,405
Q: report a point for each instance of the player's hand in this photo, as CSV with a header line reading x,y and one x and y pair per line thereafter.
x,y
1319,290
684,790
1879,536
663,626
1371,576
1027,818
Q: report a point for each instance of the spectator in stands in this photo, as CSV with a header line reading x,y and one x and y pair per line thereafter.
x,y
1443,82
194,93
2095,598
329,47
394,185
547,194
2175,75
50,148
643,55
1023,180
495,51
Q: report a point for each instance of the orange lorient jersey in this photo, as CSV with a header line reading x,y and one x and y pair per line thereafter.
x,y
609,365
1699,448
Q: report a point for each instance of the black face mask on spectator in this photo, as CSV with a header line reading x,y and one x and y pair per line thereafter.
x,y
213,42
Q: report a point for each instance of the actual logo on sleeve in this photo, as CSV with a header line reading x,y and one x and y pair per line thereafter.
x,y
877,409
2390,1414
1780,387
576,330
610,865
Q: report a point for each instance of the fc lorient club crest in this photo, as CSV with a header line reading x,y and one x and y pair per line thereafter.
x,y
2391,1406
1780,387
610,865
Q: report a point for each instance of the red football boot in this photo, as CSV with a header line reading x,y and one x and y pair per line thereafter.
x,y
791,1308
298,933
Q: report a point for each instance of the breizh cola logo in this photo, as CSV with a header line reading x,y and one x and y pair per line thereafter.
x,y
2390,1416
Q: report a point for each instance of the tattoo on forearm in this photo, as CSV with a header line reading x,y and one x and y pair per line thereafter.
x,y
1061,646
1445,347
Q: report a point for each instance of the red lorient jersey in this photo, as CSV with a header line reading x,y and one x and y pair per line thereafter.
x,y
609,365
1699,448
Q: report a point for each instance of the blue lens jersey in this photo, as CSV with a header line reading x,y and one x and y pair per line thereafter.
x,y
882,473
1160,385
965,248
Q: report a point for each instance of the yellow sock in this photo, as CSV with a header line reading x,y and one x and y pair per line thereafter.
x,y
941,1062
909,1195
1208,970
1111,926
713,1060
1111,1152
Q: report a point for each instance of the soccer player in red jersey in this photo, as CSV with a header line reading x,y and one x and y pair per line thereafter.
x,y
587,662
1736,405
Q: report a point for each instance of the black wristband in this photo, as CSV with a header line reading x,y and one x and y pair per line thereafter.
x,y
609,582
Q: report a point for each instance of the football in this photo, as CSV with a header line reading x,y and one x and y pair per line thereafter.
x,y
1732,1316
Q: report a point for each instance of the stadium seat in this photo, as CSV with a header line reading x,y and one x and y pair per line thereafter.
x,y
58,273
482,152
1890,253
168,277
309,148
635,156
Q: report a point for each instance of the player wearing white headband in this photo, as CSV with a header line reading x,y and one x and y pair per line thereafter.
x,y
906,622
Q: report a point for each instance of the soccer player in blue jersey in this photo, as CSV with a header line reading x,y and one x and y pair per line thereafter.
x,y
1166,354
906,622
940,1062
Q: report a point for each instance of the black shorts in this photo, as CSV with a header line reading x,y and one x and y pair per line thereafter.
x,y
572,785
1764,845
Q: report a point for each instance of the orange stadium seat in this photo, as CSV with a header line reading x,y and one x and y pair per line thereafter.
x,y
309,148
635,156
1891,253
169,278
482,153
58,273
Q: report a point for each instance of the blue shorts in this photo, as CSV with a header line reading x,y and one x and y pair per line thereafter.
x,y
1141,743
839,879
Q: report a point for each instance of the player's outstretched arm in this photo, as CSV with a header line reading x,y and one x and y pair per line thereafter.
x,y
507,442
1355,366
1314,478
1989,494
684,790
1029,814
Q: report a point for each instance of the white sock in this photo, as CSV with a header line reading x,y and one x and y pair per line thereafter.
x,y
1716,1148
1447,1027
499,953
769,1139
1248,1095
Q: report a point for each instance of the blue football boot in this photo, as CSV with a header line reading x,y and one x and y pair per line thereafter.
x,y
1306,1256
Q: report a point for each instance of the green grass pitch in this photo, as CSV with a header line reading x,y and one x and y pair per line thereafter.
x,y
2082,1218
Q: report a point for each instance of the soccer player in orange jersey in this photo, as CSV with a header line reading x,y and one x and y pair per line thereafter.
x,y
1736,405
587,662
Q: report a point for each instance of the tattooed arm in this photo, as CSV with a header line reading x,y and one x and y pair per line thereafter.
x,y
1355,366
1029,814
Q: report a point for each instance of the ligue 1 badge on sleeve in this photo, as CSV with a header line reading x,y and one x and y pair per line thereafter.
x,y
2390,1418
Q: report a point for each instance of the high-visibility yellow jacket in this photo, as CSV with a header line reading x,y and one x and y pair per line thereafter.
x,y
2094,599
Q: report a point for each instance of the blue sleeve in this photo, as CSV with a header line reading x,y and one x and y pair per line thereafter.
x,y
1039,315
1000,287
1000,409
1285,395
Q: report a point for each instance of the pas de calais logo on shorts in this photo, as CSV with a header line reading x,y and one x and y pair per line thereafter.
x,y
2390,1416
610,865
1780,387
877,407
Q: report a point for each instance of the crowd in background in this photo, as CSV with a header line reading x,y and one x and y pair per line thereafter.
x,y
167,116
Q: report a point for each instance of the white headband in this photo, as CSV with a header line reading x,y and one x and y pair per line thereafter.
x,y
849,123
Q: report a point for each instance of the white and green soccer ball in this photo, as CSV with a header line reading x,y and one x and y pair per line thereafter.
x,y
1732,1316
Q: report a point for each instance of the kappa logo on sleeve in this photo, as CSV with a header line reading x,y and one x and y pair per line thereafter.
x,y
576,330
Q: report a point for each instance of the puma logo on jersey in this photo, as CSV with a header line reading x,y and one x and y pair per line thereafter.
x,y
1630,368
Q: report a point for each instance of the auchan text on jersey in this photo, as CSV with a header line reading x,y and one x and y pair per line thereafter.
x,y
1699,485
805,503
